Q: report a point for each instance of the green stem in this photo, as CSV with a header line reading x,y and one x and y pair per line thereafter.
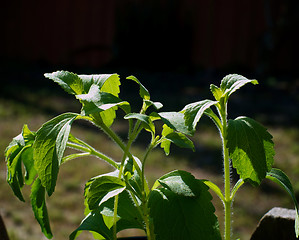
x,y
92,151
119,142
227,179
149,149
126,150
115,217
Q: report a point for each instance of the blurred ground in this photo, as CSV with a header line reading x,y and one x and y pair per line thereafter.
x,y
28,98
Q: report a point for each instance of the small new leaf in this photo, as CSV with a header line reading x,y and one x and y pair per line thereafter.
x,y
143,92
216,91
194,111
232,83
179,139
146,121
250,148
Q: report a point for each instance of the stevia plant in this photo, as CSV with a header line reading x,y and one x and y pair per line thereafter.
x,y
247,146
177,206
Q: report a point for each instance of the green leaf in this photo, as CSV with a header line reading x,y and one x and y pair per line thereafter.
x,y
98,219
69,81
217,93
156,105
103,188
80,84
88,86
146,121
175,120
178,139
18,151
165,144
39,207
103,103
278,176
182,209
49,147
250,148
28,161
194,111
110,83
94,222
232,83
97,101
215,188
143,92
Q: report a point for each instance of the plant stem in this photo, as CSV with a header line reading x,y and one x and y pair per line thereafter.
x,y
119,142
227,180
92,151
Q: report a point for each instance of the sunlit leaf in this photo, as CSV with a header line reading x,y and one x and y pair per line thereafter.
x,y
175,120
156,105
194,111
179,139
110,83
20,151
233,82
217,92
49,147
69,81
144,94
250,148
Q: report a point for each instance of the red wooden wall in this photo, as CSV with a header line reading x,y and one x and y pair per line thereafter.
x,y
213,33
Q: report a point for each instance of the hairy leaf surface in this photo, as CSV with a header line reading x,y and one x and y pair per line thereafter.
x,y
232,83
194,111
175,120
250,148
182,209
49,147
69,81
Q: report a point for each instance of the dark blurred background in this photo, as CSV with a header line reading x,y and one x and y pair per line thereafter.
x,y
172,46
176,48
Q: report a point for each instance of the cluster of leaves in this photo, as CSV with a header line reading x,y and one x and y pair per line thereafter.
x,y
178,206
